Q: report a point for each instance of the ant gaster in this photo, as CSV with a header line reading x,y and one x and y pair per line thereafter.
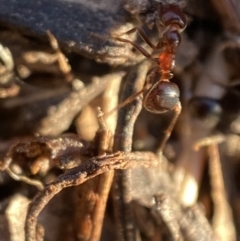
x,y
162,96
221,114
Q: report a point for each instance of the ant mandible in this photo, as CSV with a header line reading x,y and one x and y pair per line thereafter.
x,y
162,96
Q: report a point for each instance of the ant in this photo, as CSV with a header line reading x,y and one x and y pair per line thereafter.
x,y
221,112
213,96
163,96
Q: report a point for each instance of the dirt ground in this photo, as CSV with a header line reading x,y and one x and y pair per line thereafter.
x,y
79,162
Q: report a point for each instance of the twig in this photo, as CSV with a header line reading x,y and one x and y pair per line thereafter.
x,y
90,208
181,223
105,180
51,126
79,175
123,142
62,60
222,219
25,179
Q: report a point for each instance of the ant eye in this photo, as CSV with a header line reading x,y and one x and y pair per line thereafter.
x,y
162,97
206,109
172,15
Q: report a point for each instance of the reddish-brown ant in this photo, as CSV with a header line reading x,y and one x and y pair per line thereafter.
x,y
162,96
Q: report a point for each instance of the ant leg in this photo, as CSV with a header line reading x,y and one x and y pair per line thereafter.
x,y
127,101
167,133
149,81
160,44
151,76
143,35
137,47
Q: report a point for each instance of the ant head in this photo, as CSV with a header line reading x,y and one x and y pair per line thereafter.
x,y
162,97
171,14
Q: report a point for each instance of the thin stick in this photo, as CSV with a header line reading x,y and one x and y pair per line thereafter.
x,y
223,224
